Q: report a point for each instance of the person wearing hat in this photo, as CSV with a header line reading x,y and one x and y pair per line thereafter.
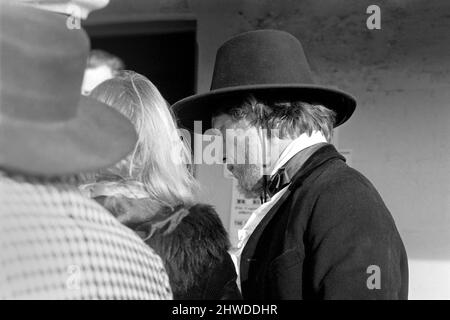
x,y
323,231
55,243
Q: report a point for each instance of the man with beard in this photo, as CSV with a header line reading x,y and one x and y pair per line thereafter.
x,y
323,231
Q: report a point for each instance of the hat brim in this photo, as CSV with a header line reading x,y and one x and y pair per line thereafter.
x,y
97,137
201,107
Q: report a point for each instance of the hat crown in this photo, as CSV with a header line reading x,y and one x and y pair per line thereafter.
x,y
42,65
261,57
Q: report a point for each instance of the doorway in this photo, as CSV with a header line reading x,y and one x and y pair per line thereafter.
x,y
163,51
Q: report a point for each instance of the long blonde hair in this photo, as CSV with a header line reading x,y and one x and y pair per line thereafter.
x,y
160,156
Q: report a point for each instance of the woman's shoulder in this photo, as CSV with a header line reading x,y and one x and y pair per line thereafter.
x,y
203,211
206,215
203,221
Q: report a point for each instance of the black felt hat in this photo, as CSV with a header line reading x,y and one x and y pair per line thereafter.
x,y
262,62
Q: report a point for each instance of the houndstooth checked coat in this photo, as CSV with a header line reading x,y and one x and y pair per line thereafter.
x,y
57,244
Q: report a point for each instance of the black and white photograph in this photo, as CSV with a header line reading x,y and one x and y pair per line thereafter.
x,y
228,154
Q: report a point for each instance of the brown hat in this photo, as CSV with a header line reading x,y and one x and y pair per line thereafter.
x,y
46,126
266,62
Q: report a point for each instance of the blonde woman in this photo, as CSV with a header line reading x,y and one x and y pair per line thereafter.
x,y
153,192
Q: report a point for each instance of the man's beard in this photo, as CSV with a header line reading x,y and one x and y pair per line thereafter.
x,y
249,178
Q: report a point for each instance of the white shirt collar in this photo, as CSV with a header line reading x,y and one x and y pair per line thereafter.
x,y
302,142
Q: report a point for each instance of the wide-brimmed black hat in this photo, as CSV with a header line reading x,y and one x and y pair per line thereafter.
x,y
262,62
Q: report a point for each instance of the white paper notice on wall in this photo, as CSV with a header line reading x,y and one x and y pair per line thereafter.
x,y
347,153
241,209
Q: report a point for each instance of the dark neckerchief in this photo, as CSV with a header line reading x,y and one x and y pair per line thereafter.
x,y
284,175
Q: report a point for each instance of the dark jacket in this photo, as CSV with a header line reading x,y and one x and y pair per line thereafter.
x,y
192,243
330,237
195,253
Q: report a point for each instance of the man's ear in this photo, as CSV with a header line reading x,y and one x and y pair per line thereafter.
x,y
265,144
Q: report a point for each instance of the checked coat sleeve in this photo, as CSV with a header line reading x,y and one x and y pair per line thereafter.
x,y
58,245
